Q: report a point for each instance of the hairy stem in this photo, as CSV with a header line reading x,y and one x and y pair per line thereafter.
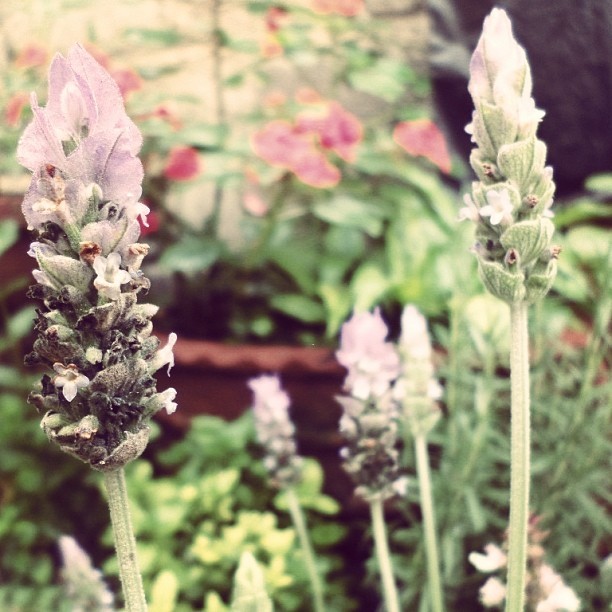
x,y
383,556
429,524
125,543
300,526
519,466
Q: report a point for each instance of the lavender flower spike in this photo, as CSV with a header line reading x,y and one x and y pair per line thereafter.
x,y
416,389
369,420
275,430
82,205
511,201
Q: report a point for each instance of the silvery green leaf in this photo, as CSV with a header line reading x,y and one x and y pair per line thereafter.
x,y
249,587
529,238
61,270
522,161
540,281
494,126
505,285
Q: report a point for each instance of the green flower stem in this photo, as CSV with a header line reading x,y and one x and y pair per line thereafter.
x,y
125,543
300,526
384,558
429,524
519,460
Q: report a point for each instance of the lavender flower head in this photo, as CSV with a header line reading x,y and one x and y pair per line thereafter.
x,y
416,389
82,206
85,587
275,431
369,420
511,202
371,362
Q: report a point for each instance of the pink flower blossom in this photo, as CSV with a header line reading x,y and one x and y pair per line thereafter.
x,y
423,137
254,204
182,164
31,56
314,169
12,111
280,144
127,80
372,363
276,17
336,129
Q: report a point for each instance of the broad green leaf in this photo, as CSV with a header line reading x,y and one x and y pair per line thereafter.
x,y
299,306
338,304
369,286
601,183
581,210
344,210
164,592
190,255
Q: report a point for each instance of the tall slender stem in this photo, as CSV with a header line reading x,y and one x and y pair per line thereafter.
x,y
300,526
519,466
384,558
429,524
125,543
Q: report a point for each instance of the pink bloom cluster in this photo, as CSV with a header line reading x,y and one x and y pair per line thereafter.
x,y
302,146
182,164
422,137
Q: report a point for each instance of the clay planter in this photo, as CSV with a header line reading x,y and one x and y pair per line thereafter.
x,y
211,378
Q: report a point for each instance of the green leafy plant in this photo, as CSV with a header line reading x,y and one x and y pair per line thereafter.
x,y
202,502
340,216
36,506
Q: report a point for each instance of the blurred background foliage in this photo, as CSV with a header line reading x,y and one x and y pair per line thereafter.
x,y
390,237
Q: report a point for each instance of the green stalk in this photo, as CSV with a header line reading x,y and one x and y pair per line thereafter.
x,y
519,460
299,523
384,558
125,543
429,524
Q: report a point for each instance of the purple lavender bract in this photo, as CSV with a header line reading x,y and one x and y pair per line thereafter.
x,y
82,205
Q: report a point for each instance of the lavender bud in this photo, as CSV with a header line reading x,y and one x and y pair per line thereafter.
x,y
515,192
416,389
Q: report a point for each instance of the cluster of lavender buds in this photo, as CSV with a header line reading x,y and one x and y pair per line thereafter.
x,y
84,585
369,421
510,203
83,206
545,589
275,431
416,389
